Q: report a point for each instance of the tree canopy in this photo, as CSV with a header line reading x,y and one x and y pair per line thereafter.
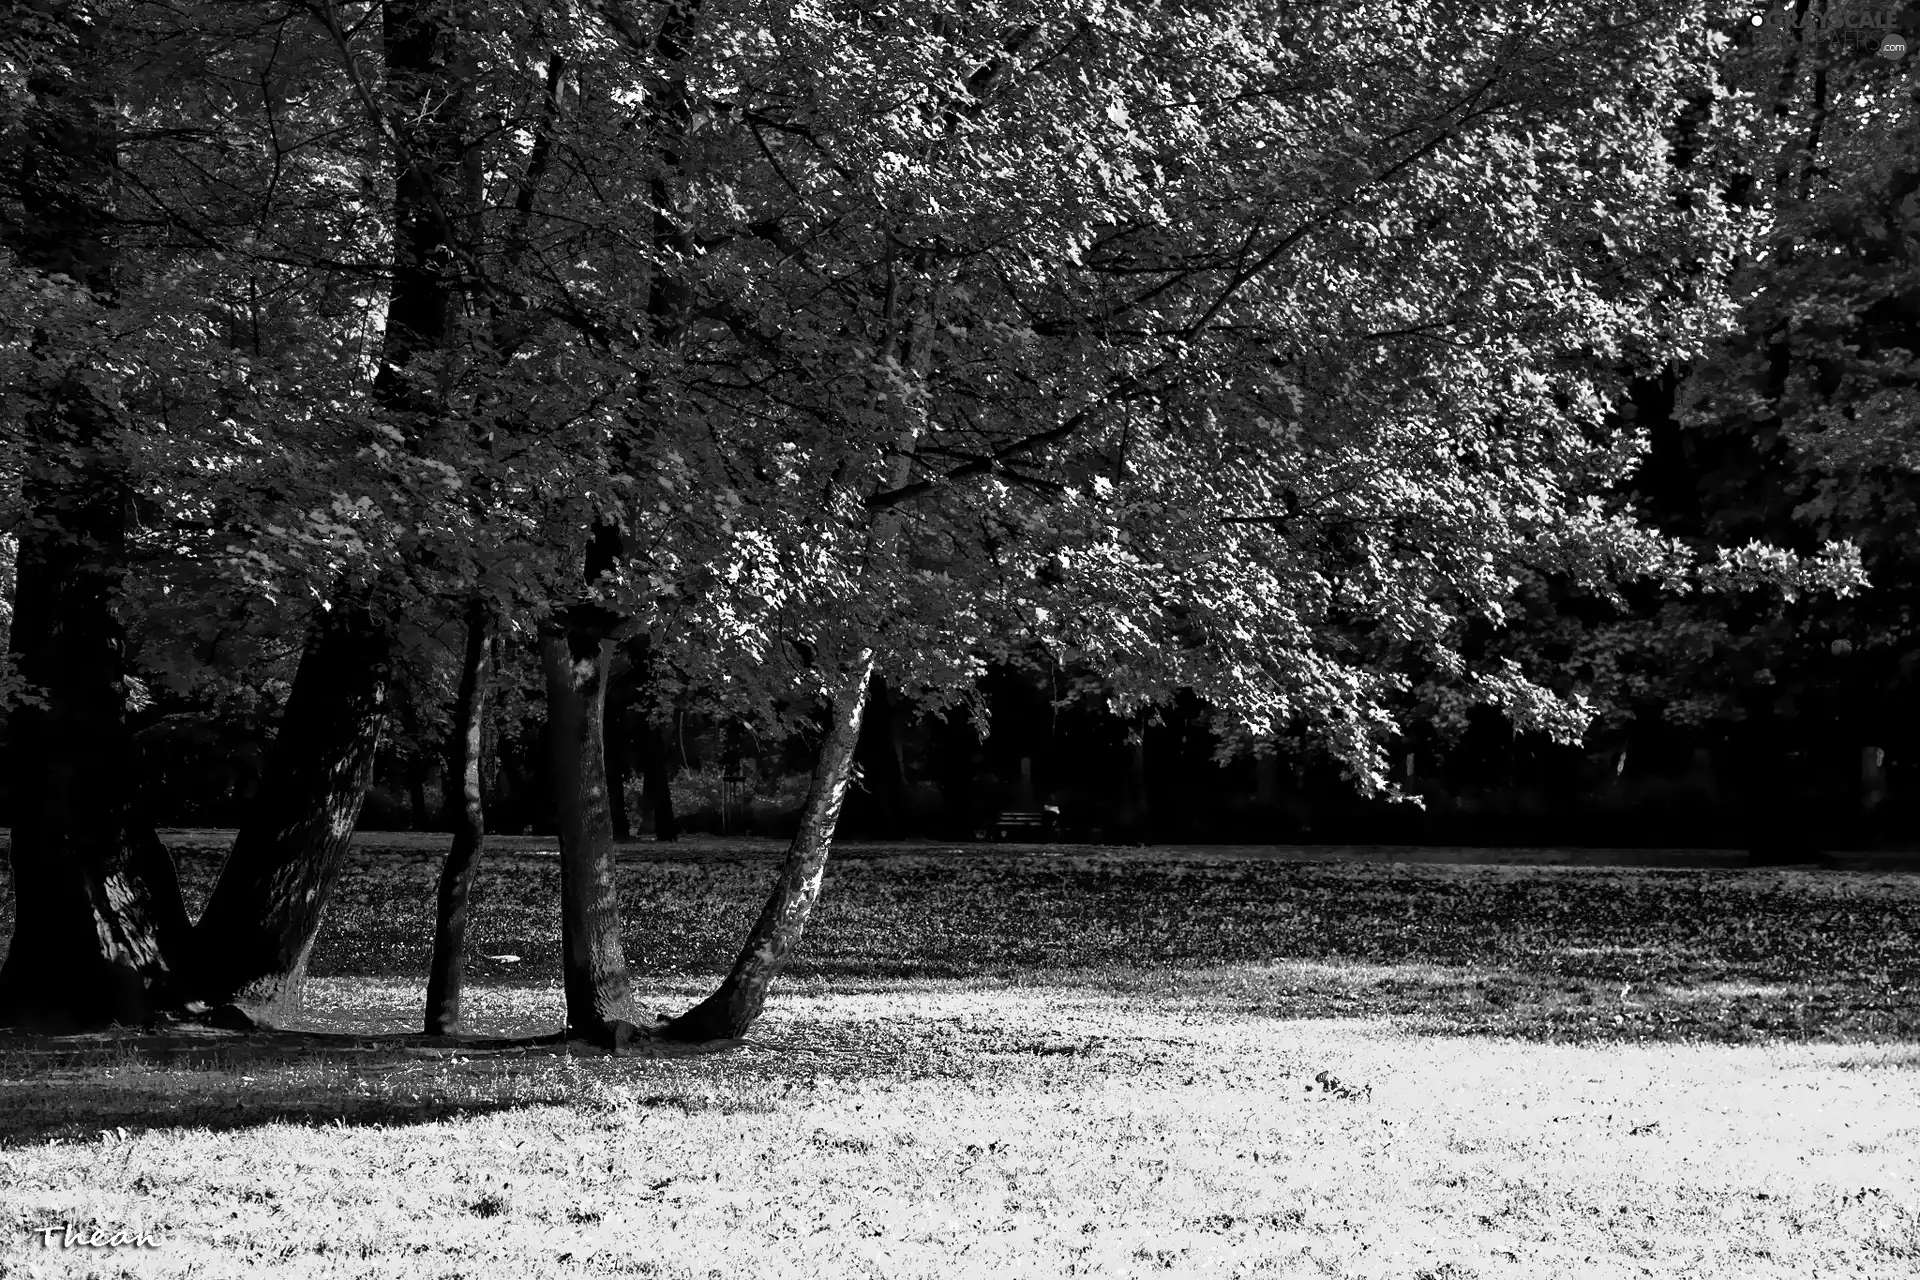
x,y
1261,351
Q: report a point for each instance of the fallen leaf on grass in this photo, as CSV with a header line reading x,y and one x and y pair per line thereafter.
x,y
1330,1083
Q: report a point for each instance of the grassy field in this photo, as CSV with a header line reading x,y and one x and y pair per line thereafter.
x,y
1060,1062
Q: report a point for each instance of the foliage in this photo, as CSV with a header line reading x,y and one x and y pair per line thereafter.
x,y
1231,377
1219,348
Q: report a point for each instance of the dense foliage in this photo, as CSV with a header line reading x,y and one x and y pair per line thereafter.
x,y
1227,349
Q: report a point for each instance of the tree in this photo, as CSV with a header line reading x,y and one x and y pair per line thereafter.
x,y
1211,350
231,448
1270,426
99,915
464,750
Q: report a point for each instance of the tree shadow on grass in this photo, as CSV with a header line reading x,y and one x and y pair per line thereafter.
x,y
107,1085
42,1111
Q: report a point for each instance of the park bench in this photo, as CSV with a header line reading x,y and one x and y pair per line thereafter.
x,y
1028,824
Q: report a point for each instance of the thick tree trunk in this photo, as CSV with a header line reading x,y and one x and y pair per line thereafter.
x,y
574,653
253,939
736,1005
98,922
251,944
464,748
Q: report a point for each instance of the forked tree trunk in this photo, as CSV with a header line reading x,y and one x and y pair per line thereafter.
x,y
98,921
464,746
736,1005
253,940
574,652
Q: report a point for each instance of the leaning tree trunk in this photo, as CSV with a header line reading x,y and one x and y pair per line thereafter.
x,y
736,1004
464,748
253,940
574,652
734,1007
98,921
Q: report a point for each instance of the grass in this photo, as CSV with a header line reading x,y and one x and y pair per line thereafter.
x,y
1079,1063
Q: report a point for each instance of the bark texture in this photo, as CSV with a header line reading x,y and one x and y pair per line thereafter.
x,y
574,653
99,923
436,190
99,920
736,1005
252,943
253,940
464,748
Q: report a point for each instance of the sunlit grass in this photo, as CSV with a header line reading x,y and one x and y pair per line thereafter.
x,y
1023,1130
1012,1064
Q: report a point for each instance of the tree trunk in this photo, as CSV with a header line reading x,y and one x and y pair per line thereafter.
x,y
656,787
252,943
253,940
464,746
99,924
99,927
734,1007
736,1004
575,652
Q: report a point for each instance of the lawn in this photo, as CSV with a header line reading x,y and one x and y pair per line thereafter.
x,y
1061,1062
